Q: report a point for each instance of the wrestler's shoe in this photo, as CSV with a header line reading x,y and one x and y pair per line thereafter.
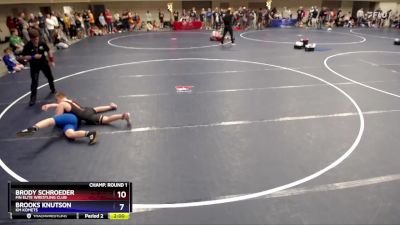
x,y
127,116
27,132
92,135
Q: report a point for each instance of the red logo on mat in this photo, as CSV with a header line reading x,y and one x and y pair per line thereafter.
x,y
182,88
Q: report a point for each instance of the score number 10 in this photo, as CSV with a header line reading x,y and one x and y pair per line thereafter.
x,y
121,194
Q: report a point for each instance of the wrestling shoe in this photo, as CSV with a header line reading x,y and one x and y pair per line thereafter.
x,y
127,116
92,135
26,132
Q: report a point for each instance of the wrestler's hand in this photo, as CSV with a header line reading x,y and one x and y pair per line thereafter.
x,y
45,107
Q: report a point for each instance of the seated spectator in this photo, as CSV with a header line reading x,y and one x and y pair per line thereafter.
x,y
216,35
95,31
60,39
9,60
16,42
156,26
149,27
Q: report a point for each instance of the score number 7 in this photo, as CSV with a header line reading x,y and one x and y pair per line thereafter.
x,y
121,194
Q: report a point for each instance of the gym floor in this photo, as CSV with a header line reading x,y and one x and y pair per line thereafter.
x,y
267,135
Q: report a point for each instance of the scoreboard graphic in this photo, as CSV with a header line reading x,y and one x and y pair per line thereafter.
x,y
70,200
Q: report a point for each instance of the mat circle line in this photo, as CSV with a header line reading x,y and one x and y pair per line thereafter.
x,y
229,199
363,39
371,35
354,81
142,48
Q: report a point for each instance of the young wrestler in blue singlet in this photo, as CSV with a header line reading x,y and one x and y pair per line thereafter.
x,y
68,122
